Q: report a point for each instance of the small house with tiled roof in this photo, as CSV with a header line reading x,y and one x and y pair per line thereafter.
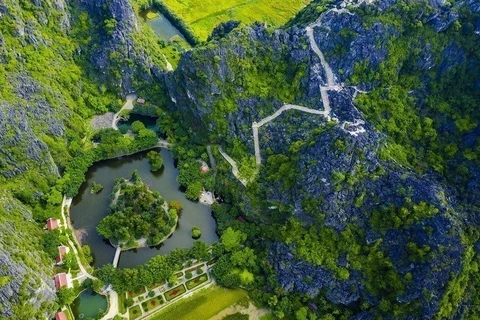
x,y
61,316
62,280
52,224
62,251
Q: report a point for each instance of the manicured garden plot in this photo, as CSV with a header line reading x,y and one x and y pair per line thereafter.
x,y
175,292
152,303
134,312
196,281
136,292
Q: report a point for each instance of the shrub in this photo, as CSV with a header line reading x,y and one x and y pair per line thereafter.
x,y
96,188
128,303
137,126
196,233
176,205
155,160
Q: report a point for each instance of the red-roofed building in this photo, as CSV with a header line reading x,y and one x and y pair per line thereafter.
x,y
62,251
62,280
240,219
61,316
52,224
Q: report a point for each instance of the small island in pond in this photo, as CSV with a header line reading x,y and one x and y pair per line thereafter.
x,y
138,216
96,188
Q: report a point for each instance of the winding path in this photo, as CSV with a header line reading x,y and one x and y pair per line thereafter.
x,y
353,128
256,125
112,295
127,106
232,162
169,65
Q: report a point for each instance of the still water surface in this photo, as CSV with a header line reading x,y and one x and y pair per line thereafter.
x,y
162,27
88,305
88,209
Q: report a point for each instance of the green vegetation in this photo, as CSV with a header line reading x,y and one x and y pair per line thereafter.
x,y
236,316
96,187
111,144
175,292
203,16
196,232
65,296
395,218
152,14
137,212
156,270
191,177
202,305
415,127
175,205
196,282
136,292
134,312
155,160
152,303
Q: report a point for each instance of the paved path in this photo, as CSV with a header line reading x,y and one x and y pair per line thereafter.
x,y
353,128
117,256
127,106
256,125
169,65
232,162
213,163
112,295
112,305
316,49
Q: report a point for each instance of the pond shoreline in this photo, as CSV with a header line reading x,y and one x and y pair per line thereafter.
x,y
87,209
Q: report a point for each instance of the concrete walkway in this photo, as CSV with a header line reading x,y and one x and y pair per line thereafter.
x,y
232,162
255,125
127,106
169,65
84,274
116,258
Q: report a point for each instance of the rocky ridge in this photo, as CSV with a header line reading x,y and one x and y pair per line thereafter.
x,y
377,182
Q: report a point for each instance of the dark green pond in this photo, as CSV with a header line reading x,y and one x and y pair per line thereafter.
x,y
88,209
162,27
88,305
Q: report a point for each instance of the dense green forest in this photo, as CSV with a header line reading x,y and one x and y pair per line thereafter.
x,y
135,213
330,225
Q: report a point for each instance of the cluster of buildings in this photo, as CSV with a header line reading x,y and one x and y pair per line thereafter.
x,y
61,279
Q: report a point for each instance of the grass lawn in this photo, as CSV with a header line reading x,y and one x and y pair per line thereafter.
x,y
245,276
152,303
152,14
134,312
121,303
196,281
204,15
175,292
203,305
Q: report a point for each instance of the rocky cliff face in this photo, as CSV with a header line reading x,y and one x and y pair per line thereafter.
x,y
28,291
117,55
336,164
